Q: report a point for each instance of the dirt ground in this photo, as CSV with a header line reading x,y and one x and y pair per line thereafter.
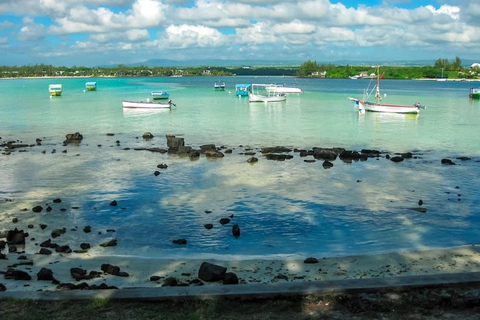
x,y
440,302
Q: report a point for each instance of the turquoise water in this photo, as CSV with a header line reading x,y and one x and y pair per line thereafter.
x,y
283,208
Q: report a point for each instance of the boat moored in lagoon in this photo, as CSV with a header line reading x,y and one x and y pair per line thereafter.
x,y
259,93
91,86
475,93
55,90
219,85
242,90
281,88
159,95
364,105
147,105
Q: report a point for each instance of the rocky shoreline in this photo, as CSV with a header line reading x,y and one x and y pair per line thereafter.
x,y
59,264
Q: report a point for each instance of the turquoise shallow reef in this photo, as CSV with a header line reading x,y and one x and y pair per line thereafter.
x,y
283,208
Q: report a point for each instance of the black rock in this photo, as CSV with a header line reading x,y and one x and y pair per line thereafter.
x,y
37,209
17,275
57,233
327,164
45,251
211,272
447,161
109,243
310,260
180,241
15,236
170,282
224,221
236,230
230,278
397,159
45,274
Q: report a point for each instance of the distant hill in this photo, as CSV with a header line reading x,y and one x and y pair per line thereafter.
x,y
278,63
215,63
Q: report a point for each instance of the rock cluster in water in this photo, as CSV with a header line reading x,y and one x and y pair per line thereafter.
x,y
17,239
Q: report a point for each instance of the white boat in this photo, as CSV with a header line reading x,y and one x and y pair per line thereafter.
x,y
219,85
159,95
147,105
55,90
364,105
91,86
259,93
442,79
277,88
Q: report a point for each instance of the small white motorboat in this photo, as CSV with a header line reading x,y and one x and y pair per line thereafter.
x,y
147,105
260,94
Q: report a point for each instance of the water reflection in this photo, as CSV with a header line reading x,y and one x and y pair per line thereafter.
x,y
388,118
143,112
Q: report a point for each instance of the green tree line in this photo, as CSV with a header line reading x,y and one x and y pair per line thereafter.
x,y
450,70
309,68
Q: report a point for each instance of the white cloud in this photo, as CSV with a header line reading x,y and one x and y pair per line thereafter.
x,y
134,35
273,27
143,14
30,31
185,36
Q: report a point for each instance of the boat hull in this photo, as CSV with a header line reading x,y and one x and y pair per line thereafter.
x,y
385,108
475,96
278,89
160,95
146,105
261,98
55,90
475,93
91,86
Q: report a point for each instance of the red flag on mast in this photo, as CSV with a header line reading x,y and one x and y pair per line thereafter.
x,y
381,76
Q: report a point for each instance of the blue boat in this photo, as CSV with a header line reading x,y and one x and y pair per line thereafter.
x,y
159,95
242,90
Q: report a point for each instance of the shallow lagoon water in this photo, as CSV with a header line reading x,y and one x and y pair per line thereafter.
x,y
289,208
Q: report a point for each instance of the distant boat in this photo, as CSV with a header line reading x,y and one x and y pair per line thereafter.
x,y
219,85
280,88
159,95
260,94
474,93
91,86
55,90
442,78
242,90
147,105
364,105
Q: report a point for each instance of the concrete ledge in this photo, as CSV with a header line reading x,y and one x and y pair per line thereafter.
x,y
253,290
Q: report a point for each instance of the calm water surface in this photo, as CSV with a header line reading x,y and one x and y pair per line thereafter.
x,y
283,208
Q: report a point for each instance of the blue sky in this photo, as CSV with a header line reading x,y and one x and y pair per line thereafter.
x,y
100,32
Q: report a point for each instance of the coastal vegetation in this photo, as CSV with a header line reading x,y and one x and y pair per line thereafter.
x,y
308,69
452,70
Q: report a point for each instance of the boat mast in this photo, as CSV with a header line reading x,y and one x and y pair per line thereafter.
x,y
377,95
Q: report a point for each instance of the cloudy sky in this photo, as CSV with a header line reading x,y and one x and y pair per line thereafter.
x,y
98,32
